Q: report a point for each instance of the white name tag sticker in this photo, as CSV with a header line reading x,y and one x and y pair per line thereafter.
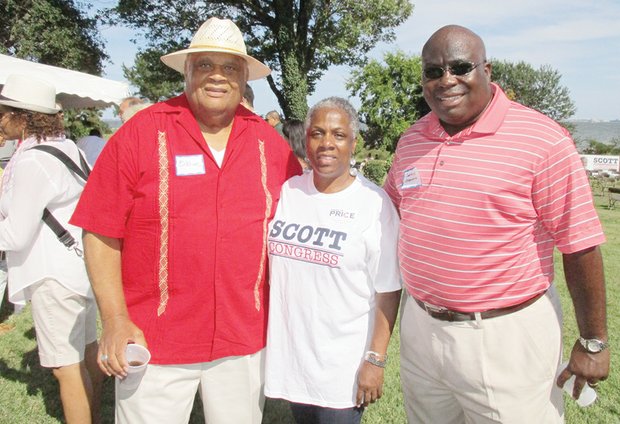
x,y
411,178
189,165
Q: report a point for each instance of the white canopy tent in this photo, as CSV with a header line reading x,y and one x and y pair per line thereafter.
x,y
74,89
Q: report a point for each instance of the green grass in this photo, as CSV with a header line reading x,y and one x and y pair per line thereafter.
x,y
29,393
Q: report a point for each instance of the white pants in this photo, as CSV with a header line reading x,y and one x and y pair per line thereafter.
x,y
231,390
65,323
499,370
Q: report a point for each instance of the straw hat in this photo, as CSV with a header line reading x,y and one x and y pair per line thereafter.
x,y
25,92
220,36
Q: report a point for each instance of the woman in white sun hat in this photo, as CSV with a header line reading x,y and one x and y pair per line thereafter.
x,y
41,269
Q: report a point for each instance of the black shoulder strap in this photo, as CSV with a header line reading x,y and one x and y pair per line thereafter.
x,y
83,172
61,232
63,235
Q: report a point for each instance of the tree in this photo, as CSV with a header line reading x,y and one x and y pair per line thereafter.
x,y
57,33
53,32
298,39
391,97
155,80
594,147
615,146
539,88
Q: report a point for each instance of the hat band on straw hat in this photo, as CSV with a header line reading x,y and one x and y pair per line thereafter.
x,y
218,47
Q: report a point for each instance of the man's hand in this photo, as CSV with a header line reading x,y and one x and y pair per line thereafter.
x,y
118,331
588,368
586,284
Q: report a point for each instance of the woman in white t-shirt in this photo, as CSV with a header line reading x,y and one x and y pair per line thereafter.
x,y
335,284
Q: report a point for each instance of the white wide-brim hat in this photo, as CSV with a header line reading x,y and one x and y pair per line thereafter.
x,y
219,36
25,92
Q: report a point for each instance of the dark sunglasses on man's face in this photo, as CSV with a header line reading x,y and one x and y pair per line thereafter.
x,y
457,69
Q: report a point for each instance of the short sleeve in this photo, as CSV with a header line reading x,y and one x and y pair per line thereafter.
x,y
108,196
383,261
562,198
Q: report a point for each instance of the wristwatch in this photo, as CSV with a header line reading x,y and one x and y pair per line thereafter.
x,y
376,358
593,345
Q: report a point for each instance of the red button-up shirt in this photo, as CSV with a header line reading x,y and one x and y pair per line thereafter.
x,y
193,256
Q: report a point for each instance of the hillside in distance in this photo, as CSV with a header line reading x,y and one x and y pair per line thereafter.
x,y
602,131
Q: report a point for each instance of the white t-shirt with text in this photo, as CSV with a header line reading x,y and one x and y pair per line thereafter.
x,y
328,255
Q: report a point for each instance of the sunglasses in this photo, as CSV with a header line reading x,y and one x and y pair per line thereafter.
x,y
457,69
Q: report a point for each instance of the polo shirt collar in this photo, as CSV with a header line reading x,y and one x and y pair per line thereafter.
x,y
488,123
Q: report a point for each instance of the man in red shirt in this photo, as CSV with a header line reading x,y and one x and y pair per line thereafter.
x,y
175,219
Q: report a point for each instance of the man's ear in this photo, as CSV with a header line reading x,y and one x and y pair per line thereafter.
x,y
488,68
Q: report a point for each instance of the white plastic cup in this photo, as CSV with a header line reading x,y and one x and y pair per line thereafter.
x,y
588,394
138,358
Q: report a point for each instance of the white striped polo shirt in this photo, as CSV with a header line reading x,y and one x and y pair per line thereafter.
x,y
481,211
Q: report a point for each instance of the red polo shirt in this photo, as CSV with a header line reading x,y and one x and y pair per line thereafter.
x,y
193,255
482,210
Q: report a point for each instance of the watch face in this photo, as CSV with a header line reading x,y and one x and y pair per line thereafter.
x,y
594,346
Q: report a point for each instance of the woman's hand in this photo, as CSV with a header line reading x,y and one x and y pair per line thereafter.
x,y
369,384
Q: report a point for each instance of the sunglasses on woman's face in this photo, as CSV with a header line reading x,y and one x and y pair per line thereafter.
x,y
457,69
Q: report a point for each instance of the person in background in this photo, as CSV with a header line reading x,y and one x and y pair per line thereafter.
x,y
295,134
175,220
126,103
132,110
335,285
486,188
248,98
91,145
41,269
273,119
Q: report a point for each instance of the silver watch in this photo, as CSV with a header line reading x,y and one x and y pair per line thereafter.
x,y
593,345
376,359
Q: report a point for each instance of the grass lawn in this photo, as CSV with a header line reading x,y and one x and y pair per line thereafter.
x,y
29,394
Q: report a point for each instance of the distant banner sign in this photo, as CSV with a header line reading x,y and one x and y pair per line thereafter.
x,y
600,162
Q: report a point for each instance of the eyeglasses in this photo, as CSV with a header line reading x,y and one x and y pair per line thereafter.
x,y
458,69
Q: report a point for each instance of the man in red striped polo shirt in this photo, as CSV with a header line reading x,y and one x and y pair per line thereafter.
x,y
486,189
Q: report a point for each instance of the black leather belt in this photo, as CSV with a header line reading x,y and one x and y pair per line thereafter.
x,y
444,314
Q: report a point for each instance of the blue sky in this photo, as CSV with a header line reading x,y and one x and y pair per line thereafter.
x,y
579,38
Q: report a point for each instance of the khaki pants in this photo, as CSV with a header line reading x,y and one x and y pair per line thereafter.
x,y
499,370
231,390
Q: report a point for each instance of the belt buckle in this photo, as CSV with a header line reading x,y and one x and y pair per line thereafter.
x,y
432,309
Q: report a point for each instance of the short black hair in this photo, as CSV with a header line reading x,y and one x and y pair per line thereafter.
x,y
295,134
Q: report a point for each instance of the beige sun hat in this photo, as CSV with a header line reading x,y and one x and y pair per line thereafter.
x,y
25,92
220,36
